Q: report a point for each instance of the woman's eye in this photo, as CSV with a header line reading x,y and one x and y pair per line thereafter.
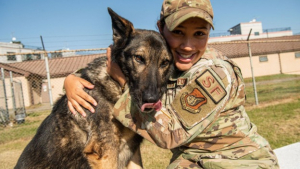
x,y
178,32
199,33
164,63
138,58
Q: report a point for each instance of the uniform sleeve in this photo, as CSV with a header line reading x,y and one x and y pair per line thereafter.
x,y
193,109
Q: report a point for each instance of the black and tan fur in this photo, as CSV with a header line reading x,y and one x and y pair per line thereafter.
x,y
99,141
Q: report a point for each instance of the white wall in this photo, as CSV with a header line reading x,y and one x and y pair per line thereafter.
x,y
255,26
57,87
26,94
289,65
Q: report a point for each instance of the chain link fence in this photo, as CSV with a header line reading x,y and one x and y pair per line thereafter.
x,y
18,102
4,117
36,83
12,107
39,78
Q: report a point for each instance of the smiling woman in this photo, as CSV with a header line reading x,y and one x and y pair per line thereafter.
x,y
187,41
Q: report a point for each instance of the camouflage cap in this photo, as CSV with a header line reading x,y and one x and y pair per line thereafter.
x,y
176,11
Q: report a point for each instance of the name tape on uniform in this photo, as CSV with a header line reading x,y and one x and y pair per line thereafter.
x,y
209,83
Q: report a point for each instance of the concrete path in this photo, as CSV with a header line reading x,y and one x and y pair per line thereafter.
x,y
289,156
41,107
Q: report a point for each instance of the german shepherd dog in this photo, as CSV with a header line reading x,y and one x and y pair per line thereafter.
x,y
99,141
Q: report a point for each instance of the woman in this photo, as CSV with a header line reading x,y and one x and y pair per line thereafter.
x,y
203,120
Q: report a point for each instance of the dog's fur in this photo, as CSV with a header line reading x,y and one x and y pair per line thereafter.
x,y
99,141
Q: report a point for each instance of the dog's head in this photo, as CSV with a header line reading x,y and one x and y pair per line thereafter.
x,y
145,60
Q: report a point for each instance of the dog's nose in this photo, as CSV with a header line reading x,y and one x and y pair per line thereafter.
x,y
150,98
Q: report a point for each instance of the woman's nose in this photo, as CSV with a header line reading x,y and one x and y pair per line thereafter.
x,y
187,44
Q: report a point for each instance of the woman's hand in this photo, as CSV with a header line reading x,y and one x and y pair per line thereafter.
x,y
77,97
114,70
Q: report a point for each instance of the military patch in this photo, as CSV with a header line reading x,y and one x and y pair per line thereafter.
x,y
211,86
193,101
181,81
197,100
171,85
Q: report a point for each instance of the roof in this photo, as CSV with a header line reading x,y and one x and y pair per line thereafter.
x,y
235,49
15,71
58,67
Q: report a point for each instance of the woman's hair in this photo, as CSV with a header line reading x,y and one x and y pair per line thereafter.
x,y
162,23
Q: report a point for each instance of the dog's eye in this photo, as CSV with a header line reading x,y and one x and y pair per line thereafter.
x,y
138,58
164,63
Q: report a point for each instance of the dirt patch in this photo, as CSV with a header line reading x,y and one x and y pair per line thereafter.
x,y
273,103
273,81
8,158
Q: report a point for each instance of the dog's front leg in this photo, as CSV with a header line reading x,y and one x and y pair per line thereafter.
x,y
101,156
136,160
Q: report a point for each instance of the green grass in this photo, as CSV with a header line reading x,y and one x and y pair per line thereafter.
x,y
272,91
277,118
25,130
279,124
154,157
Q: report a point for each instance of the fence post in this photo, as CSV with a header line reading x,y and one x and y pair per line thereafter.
x,y
5,95
20,107
23,106
48,73
280,64
253,78
12,92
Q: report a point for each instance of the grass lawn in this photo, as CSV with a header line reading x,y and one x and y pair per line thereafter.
x,y
277,118
279,123
272,88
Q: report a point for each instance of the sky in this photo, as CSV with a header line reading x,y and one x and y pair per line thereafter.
x,y
86,24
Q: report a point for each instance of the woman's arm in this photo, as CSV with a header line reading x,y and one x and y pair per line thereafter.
x,y
78,98
113,69
194,108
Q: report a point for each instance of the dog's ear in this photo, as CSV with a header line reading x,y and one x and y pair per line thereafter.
x,y
122,28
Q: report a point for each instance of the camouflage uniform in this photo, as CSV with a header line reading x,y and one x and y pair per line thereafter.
x,y
203,119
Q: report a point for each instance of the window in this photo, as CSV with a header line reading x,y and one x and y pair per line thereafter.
x,y
11,57
256,33
28,57
31,57
263,58
297,55
56,55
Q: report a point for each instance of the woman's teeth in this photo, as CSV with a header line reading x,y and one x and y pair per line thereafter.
x,y
186,56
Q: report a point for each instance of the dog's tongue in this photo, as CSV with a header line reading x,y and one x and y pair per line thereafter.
x,y
157,106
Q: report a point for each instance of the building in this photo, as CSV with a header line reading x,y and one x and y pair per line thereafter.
x,y
63,53
33,77
241,32
270,56
244,28
15,47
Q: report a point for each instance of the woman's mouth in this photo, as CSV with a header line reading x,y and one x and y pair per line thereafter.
x,y
185,58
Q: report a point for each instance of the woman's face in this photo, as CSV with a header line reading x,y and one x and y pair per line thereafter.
x,y
187,41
